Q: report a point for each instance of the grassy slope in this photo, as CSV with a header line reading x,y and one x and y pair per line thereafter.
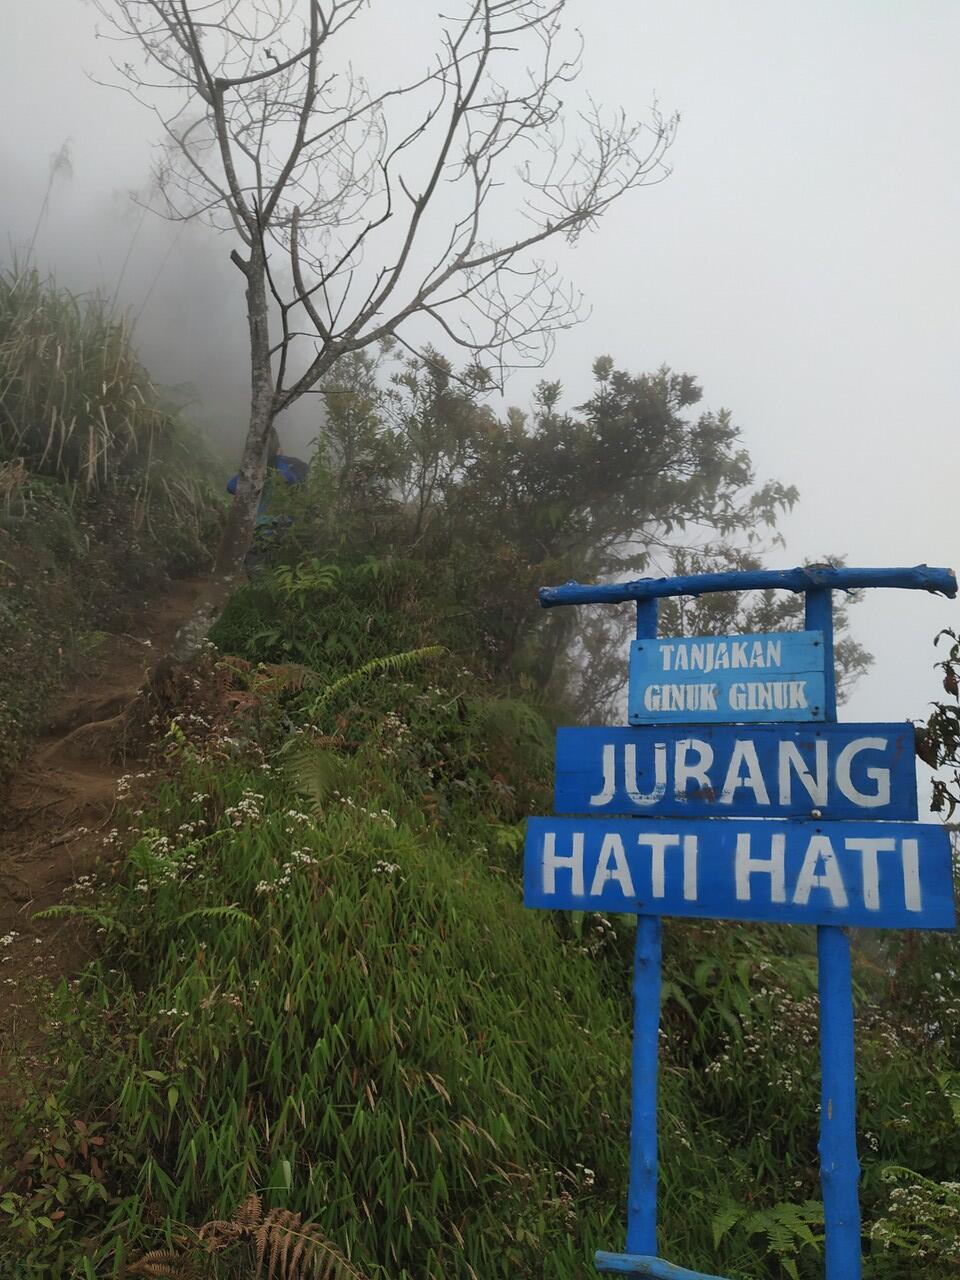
x,y
318,981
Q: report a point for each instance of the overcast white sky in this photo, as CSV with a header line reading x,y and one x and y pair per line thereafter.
x,y
801,261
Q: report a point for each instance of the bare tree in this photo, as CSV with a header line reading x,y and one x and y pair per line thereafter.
x,y
359,208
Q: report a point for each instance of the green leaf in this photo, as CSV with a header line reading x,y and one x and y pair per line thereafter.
x,y
229,911
109,923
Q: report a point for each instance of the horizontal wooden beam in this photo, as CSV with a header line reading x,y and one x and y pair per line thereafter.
x,y
632,1264
805,578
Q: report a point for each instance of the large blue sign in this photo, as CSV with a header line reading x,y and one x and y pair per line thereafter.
x,y
884,875
755,771
727,679
692,845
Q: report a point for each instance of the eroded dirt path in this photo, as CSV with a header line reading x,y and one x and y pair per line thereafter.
x,y
57,810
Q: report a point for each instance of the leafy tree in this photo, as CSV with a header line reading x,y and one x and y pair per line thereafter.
x,y
439,427
938,741
355,449
635,480
596,493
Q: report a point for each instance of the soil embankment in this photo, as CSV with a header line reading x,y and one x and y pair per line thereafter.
x,y
56,810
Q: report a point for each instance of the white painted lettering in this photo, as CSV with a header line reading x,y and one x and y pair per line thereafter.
x,y
675,697
797,694
680,697
910,852
791,758
612,847
870,847
690,868
880,795
812,877
768,695
658,846
554,862
745,865
607,791
685,771
744,754
630,781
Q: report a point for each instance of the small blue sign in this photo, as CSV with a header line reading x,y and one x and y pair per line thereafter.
x,y
881,875
865,771
775,676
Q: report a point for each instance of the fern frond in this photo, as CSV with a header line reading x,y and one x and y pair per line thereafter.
x,y
284,1248
315,773
228,911
395,664
249,1213
163,1264
109,923
727,1216
294,1250
218,1233
287,677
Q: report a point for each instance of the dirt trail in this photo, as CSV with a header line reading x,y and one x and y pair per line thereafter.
x,y
57,810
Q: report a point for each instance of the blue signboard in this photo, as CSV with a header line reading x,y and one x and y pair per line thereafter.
x,y
727,679
692,845
884,875
744,771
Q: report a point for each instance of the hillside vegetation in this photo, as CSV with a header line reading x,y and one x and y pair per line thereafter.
x,y
316,982
103,492
319,1034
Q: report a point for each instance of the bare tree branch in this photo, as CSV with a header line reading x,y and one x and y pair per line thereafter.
x,y
360,209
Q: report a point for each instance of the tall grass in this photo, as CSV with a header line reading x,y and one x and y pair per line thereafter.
x,y
77,405
103,492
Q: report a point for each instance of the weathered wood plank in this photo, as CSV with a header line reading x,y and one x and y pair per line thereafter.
x,y
874,874
633,1264
756,771
727,679
839,1166
919,577
642,1193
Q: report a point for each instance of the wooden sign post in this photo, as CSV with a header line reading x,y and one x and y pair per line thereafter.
x,y
843,851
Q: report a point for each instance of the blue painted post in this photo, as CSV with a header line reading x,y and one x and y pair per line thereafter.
x,y
642,1193
839,1166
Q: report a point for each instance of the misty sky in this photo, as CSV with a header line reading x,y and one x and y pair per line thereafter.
x,y
801,261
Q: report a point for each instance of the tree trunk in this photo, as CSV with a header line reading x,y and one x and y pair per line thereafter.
x,y
238,532
241,517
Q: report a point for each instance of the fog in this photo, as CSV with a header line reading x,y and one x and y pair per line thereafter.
x,y
801,260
